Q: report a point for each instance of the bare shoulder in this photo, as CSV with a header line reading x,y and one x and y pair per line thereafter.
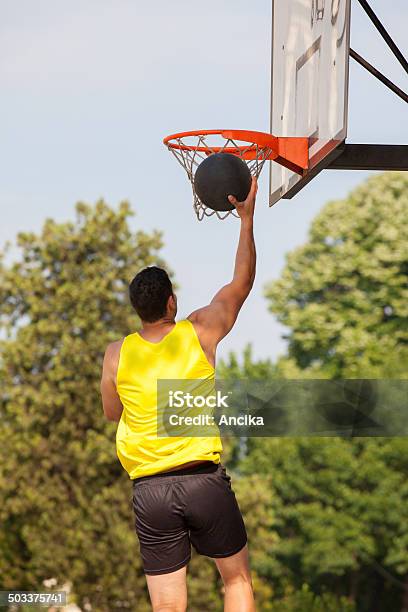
x,y
204,335
205,322
204,316
113,350
202,319
194,317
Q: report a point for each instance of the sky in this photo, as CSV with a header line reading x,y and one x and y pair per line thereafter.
x,y
90,88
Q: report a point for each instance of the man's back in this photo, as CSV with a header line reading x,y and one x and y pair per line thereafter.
x,y
176,356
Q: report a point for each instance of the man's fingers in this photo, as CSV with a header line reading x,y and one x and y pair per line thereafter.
x,y
251,194
254,187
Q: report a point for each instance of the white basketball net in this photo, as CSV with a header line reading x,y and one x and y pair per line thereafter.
x,y
190,157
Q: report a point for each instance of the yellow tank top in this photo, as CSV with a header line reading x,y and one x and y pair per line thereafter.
x,y
178,355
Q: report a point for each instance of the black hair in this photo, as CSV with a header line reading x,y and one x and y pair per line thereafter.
x,y
149,292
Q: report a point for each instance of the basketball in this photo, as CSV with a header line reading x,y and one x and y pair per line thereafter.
x,y
221,175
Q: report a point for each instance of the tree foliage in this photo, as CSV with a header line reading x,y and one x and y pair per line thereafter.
x,y
338,516
341,515
66,501
235,368
344,294
342,505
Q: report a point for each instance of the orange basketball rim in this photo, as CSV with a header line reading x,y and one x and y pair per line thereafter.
x,y
190,148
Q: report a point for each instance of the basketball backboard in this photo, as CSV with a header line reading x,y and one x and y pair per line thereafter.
x,y
310,56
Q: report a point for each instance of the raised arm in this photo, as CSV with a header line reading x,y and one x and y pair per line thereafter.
x,y
213,322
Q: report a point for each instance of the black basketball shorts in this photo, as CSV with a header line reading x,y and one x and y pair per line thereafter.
x,y
193,505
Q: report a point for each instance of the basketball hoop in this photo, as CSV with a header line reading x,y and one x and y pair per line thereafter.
x,y
255,148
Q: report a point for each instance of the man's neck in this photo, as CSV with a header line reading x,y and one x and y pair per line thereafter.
x,y
154,332
158,325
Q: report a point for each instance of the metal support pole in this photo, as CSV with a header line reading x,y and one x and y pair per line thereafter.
x,y
357,157
371,157
378,75
383,32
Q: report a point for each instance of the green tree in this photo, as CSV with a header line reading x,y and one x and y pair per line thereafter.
x,y
66,501
344,294
234,368
342,505
340,513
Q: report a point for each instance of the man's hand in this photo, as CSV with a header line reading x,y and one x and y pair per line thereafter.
x,y
246,209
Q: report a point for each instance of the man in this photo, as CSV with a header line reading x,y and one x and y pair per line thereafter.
x,y
182,493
